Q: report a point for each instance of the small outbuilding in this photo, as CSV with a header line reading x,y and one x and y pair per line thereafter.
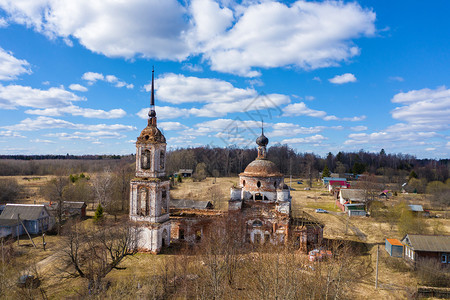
x,y
394,247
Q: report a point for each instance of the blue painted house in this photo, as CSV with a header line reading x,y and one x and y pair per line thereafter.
x,y
34,217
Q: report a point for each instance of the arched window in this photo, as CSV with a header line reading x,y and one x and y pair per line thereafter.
x,y
258,184
275,184
243,183
145,159
161,160
257,223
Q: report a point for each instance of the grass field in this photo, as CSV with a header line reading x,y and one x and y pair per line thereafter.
x,y
337,226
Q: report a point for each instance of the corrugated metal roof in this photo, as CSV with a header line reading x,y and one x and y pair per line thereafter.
x,y
73,204
353,194
190,204
416,207
431,243
26,211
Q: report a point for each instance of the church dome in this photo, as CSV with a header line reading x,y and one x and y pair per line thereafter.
x,y
262,140
151,134
262,168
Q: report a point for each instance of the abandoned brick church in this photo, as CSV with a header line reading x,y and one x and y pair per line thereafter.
x,y
262,200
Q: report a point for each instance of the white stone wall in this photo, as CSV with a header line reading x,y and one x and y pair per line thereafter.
x,y
151,238
155,164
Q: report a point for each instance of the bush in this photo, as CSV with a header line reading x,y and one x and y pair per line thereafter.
x,y
430,272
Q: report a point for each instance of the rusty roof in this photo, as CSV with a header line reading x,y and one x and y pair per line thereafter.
x,y
394,242
261,168
429,243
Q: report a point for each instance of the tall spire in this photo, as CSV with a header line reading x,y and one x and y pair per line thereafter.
x,y
152,112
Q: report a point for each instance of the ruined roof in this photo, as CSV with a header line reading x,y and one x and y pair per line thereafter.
x,y
151,134
190,204
430,243
26,211
261,168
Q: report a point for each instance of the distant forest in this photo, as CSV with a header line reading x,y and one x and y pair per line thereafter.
x,y
231,161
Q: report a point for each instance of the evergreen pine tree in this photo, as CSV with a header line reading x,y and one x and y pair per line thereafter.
x,y
98,213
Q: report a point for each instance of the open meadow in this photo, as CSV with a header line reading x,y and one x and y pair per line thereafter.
x,y
138,274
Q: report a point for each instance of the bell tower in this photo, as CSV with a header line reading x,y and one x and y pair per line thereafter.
x,y
149,191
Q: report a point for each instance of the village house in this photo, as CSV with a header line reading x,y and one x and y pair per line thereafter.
x,y
418,247
352,201
15,218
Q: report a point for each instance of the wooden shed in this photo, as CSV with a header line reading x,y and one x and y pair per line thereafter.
x,y
394,247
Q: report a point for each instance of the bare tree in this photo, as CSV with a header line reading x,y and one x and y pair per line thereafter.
x,y
102,184
9,190
53,191
93,253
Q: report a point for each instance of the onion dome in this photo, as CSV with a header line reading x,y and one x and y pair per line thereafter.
x,y
262,140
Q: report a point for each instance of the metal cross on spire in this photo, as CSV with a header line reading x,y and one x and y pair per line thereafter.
x,y
152,112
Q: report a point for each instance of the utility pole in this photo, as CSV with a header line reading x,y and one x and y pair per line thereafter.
x,y
376,273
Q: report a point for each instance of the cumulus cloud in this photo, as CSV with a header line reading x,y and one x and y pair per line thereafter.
x,y
13,96
359,128
92,77
3,23
301,109
42,122
425,106
234,38
344,78
78,87
218,96
52,102
79,111
172,126
9,133
11,67
396,78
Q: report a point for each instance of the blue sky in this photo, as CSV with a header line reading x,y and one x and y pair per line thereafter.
x,y
325,76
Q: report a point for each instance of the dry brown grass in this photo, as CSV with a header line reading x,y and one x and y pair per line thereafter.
x,y
392,281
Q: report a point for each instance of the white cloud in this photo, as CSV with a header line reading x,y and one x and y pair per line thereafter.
x,y
359,128
51,123
425,106
13,96
290,129
172,126
316,78
309,35
78,87
315,139
233,38
177,88
192,68
42,141
396,78
164,112
300,109
9,133
150,28
92,77
344,78
3,23
11,67
79,111
220,97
